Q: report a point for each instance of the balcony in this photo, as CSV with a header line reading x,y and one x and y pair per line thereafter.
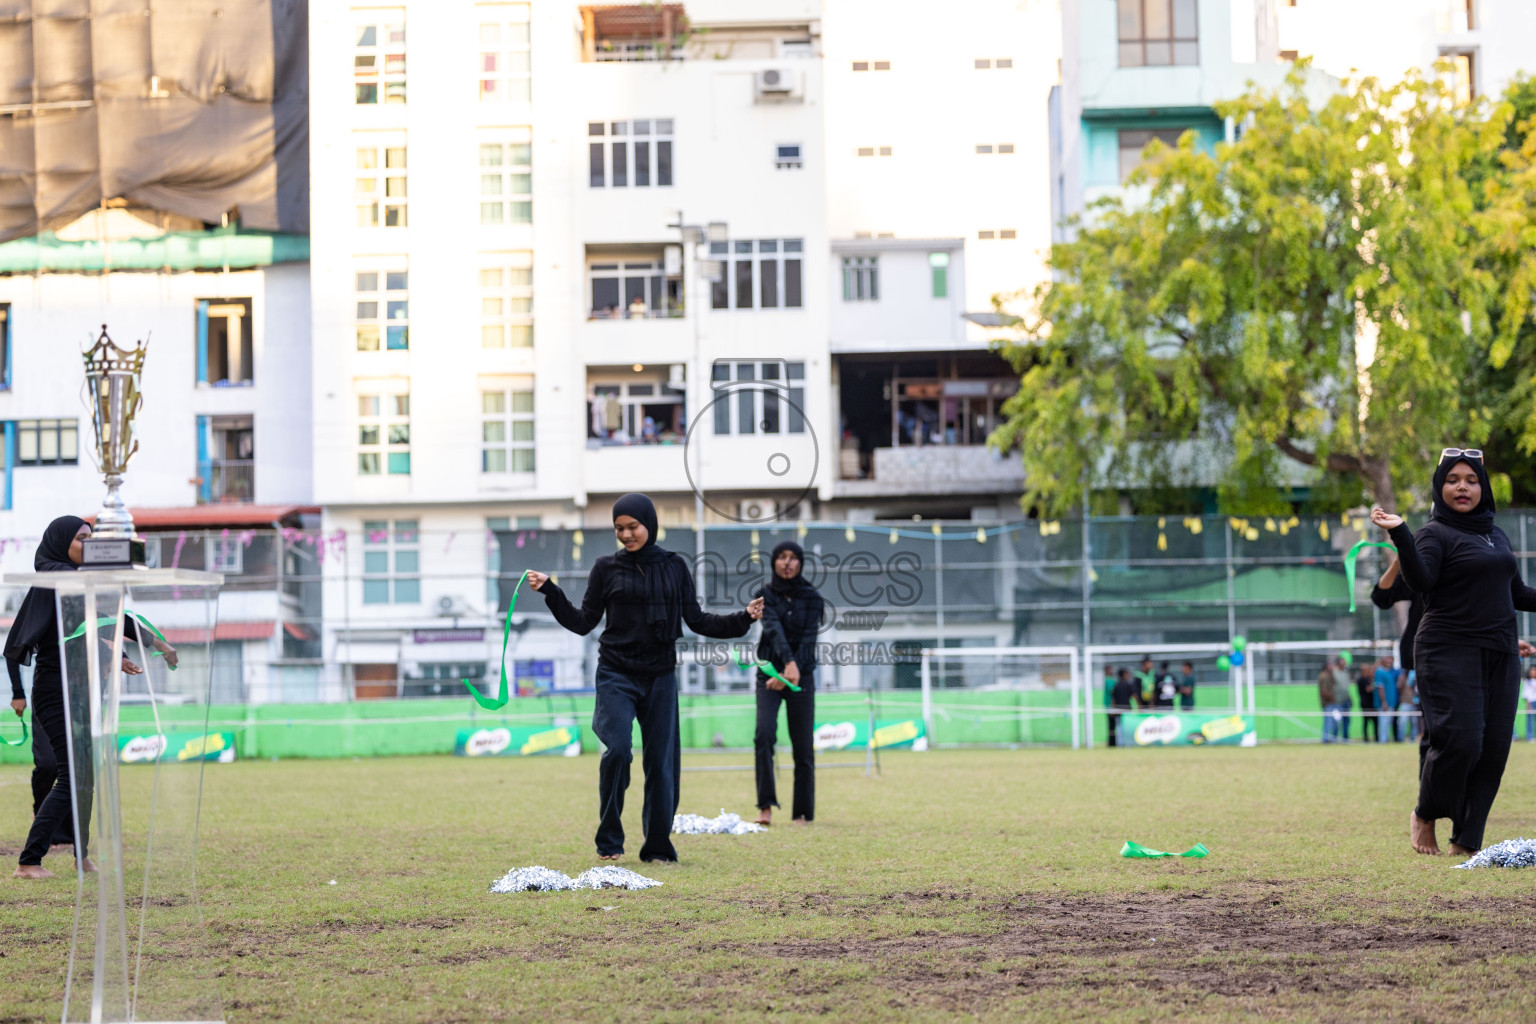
x,y
226,481
928,469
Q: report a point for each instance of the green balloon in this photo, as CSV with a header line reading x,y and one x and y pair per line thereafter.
x,y
1349,659
1224,663
1239,643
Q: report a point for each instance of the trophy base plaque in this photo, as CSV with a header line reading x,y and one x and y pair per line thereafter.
x,y
112,552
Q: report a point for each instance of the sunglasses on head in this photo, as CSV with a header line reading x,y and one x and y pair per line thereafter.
x,y
1457,453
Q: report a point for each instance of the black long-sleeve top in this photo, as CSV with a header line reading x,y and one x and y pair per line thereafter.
x,y
1470,583
1386,597
48,669
791,620
640,637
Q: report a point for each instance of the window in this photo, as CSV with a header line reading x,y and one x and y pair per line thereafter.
x,y
226,459
773,402
391,562
224,342
1461,81
1157,33
634,289
983,63
1006,233
506,301
1003,63
501,524
383,309
646,410
1290,56
864,65
505,57
637,153
872,150
5,345
788,158
986,148
882,65
506,180
506,428
228,555
383,434
379,57
766,274
1132,143
799,49
986,234
47,442
381,181
938,267
861,278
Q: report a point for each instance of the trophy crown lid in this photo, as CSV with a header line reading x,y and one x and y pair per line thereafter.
x,y
106,355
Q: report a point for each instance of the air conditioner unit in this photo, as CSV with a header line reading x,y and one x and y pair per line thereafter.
x,y
778,83
452,607
758,510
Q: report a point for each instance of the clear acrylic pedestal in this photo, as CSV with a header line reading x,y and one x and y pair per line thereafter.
x,y
138,951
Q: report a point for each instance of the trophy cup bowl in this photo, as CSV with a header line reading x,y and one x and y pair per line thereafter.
x,y
112,379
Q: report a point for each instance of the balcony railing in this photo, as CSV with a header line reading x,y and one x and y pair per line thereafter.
x,y
639,50
224,480
626,313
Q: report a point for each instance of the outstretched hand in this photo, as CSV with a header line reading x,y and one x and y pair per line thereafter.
x,y
537,579
755,608
1526,651
19,704
131,668
1384,519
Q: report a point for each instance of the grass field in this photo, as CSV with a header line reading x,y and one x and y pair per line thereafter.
x,y
967,884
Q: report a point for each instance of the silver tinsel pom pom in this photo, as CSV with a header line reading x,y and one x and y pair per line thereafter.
x,y
542,879
725,825
1511,853
612,877
537,878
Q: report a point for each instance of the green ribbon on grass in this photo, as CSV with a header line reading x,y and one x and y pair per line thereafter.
x,y
502,696
23,740
1132,849
1349,563
111,620
768,668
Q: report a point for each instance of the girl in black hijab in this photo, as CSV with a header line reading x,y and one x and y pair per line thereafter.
x,y
791,620
35,633
1465,651
647,594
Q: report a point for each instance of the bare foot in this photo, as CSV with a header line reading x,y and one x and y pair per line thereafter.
x,y
32,871
1421,834
800,821
89,867
764,817
609,856
1457,850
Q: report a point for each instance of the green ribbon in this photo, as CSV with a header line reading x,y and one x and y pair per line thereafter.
x,y
502,695
768,668
111,620
23,740
1349,563
1132,849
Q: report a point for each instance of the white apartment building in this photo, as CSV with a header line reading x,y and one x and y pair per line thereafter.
x,y
549,239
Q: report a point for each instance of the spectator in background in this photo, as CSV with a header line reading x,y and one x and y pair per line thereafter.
x,y
1326,685
1386,684
1528,691
1125,690
1146,680
1187,687
1167,688
1407,705
1109,704
1370,710
1341,687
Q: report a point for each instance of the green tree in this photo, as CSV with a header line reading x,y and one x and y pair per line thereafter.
x,y
1211,328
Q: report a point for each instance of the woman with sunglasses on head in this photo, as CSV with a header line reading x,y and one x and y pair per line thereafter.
x,y
1466,652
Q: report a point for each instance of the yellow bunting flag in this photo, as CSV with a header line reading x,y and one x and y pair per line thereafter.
x,y
893,535
936,530
848,535
1269,525
981,535
661,534
1162,542
1252,533
577,538
801,529
1322,529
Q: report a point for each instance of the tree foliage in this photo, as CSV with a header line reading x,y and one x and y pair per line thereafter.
x,y
1316,302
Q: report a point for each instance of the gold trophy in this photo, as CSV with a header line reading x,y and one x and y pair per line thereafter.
x,y
112,375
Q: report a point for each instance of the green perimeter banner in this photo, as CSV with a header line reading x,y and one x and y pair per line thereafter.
x,y
1188,730
176,746
904,732
518,741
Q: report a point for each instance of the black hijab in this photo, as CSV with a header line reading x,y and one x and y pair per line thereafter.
x,y
658,590
1480,519
795,582
639,508
35,619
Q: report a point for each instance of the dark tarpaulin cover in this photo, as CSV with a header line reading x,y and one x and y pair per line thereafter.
x,y
195,107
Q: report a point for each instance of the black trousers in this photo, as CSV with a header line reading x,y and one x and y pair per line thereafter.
x,y
45,770
800,710
55,812
652,701
1114,729
1370,722
1468,695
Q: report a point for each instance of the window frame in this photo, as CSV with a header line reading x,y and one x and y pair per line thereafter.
x,y
508,417
507,82
392,411
60,427
751,393
210,309
514,327
861,278
781,251
514,206
1181,18
387,328
389,44
1167,136
388,166
631,149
